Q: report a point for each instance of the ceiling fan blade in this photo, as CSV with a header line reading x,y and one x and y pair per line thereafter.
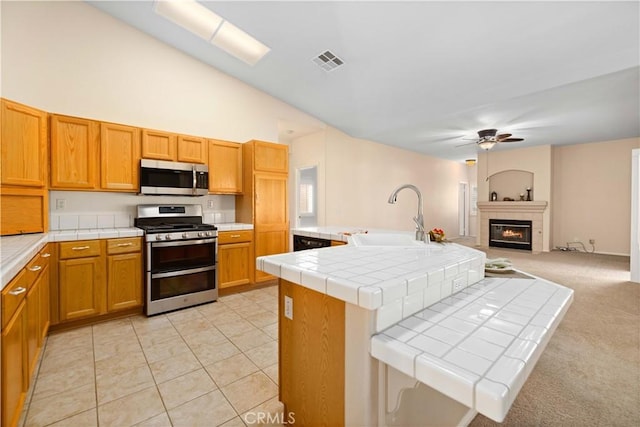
x,y
511,140
503,136
464,145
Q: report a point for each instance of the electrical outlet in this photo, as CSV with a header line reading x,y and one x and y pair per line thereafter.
x,y
61,203
592,241
458,284
210,204
288,307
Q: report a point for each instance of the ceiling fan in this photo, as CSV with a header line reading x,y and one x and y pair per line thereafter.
x,y
487,138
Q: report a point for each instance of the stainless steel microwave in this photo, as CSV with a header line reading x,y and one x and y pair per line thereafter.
x,y
158,177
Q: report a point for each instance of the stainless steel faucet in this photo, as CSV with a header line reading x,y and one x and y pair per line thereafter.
x,y
419,218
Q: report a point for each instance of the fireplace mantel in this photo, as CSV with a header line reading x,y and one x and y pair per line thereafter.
x,y
537,206
531,211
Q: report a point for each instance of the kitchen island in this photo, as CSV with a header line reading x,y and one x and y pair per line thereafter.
x,y
382,334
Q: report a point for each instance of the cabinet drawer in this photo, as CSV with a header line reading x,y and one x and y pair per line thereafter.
x,y
12,295
37,265
225,237
120,246
80,249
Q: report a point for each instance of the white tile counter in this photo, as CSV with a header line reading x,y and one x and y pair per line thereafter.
x,y
479,345
233,226
17,251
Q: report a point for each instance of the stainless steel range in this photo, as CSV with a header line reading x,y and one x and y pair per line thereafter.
x,y
181,257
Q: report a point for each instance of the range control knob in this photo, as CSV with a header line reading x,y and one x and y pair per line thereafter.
x,y
168,237
185,235
158,237
200,233
209,233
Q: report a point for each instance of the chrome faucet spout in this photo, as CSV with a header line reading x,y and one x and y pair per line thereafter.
x,y
419,219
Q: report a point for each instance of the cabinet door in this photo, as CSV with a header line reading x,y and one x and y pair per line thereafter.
x,y
82,289
270,157
33,326
192,149
120,149
23,145
234,261
225,167
74,153
13,368
159,145
271,227
124,281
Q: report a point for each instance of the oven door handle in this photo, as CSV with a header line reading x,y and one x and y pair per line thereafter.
x,y
182,243
182,272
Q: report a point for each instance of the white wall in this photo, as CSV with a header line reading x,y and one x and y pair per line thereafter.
x,y
592,194
360,175
635,216
305,152
71,58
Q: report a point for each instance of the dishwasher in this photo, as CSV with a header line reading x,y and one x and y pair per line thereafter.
x,y
301,243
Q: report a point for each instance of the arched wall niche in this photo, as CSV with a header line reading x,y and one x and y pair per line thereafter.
x,y
511,183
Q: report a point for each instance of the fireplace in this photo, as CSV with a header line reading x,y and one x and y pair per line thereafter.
x,y
510,233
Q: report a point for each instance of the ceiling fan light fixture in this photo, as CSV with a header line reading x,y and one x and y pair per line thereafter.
x,y
486,145
470,162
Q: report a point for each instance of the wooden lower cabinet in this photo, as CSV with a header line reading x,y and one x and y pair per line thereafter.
x,y
235,258
312,356
81,280
124,281
14,375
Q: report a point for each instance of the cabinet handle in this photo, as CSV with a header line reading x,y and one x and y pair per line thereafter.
x,y
79,248
18,291
47,255
235,236
124,244
35,268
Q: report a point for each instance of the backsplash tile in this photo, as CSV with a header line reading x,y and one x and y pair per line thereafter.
x,y
106,221
68,222
87,221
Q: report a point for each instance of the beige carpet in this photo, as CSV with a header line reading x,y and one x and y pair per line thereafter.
x,y
589,374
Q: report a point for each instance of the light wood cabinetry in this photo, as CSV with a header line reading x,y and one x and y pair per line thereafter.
x,y
192,149
159,145
235,258
311,356
24,145
265,201
120,157
23,176
124,273
24,324
75,153
225,167
81,280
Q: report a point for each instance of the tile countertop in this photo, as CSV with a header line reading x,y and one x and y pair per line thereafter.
x,y
338,233
16,251
370,276
479,345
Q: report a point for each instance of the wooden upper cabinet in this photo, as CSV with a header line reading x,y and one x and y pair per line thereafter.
x,y
159,145
225,167
120,149
23,145
192,149
270,157
75,153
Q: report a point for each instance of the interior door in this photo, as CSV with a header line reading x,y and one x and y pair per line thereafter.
x,y
463,209
307,197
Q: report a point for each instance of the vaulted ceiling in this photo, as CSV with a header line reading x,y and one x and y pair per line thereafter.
x,y
426,76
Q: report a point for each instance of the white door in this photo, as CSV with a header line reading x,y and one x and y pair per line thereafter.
x,y
307,197
635,216
463,209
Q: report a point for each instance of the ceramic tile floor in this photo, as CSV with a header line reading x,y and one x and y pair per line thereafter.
x,y
215,364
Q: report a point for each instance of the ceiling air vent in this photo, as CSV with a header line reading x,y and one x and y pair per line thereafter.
x,y
328,61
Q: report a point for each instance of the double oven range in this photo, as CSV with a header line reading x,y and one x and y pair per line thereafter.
x,y
181,254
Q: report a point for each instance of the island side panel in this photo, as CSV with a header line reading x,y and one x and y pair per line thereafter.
x,y
312,356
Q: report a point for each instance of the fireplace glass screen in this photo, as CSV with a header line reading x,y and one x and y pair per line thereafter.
x,y
510,233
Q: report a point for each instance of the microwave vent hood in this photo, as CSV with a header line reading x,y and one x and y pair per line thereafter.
x,y
162,178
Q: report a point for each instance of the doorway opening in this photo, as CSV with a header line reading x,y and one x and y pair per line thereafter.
x,y
307,197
